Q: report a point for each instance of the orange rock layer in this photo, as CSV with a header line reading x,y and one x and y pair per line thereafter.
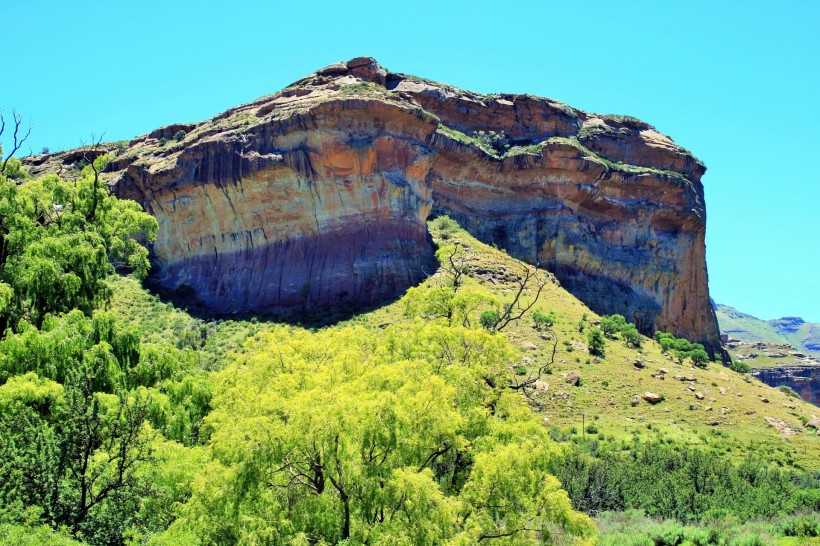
x,y
319,194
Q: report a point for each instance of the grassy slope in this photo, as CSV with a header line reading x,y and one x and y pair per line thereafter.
x,y
604,395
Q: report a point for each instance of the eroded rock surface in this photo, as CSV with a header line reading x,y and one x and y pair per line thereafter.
x,y
318,195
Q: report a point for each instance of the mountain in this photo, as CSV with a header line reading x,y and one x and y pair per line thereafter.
x,y
318,195
802,336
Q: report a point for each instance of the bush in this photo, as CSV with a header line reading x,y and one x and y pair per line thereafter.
x,y
612,324
179,135
788,391
496,142
699,357
631,335
740,367
595,340
542,320
801,526
488,319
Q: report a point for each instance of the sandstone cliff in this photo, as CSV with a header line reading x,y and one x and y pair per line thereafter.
x,y
319,195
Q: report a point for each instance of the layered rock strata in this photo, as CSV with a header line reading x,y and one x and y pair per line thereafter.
x,y
318,195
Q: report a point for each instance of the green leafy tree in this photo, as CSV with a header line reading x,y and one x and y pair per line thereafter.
x,y
612,324
596,343
58,242
699,357
631,335
409,438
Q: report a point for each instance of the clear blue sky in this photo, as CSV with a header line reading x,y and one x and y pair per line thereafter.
x,y
738,83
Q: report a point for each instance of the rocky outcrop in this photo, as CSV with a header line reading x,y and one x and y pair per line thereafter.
x,y
318,195
803,379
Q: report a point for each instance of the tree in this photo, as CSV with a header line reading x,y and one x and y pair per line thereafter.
x,y
699,357
596,343
631,335
58,242
612,324
102,445
408,438
18,139
528,281
542,320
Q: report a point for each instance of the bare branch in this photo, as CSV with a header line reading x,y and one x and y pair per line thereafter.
x,y
516,310
94,147
18,142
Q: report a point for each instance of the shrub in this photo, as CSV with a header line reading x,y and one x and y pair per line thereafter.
x,y
631,335
801,526
699,357
595,340
740,367
496,142
488,319
788,391
612,324
542,320
179,135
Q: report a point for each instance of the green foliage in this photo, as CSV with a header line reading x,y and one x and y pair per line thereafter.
x,y
801,526
631,336
497,142
596,343
488,319
790,392
633,527
684,483
740,367
699,357
396,438
543,320
24,535
14,169
59,240
179,135
683,349
612,324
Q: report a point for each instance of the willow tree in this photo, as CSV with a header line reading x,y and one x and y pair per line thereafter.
x,y
394,438
60,239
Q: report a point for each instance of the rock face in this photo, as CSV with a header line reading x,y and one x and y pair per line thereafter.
x,y
805,380
318,195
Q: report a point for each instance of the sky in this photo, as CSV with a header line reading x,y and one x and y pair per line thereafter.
x,y
737,83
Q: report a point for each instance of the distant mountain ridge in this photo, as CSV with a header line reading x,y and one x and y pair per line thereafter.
x,y
803,336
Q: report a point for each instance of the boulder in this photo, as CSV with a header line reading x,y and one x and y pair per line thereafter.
x,y
636,400
529,346
651,397
638,363
573,378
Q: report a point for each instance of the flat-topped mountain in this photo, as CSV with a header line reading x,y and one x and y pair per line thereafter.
x,y
319,195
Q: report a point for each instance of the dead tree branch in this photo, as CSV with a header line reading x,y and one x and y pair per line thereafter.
x,y
18,142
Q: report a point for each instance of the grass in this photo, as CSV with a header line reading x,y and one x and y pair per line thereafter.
x,y
615,165
369,89
635,528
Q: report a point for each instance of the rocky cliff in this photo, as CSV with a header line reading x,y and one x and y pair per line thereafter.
x,y
318,195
